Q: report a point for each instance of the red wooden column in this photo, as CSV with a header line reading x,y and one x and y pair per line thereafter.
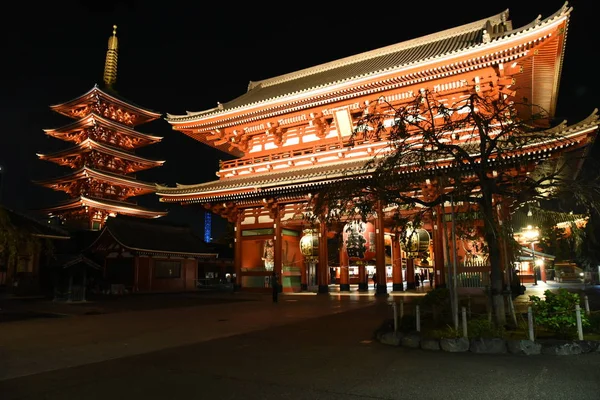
x,y
304,275
438,250
323,267
397,283
410,273
363,281
344,273
278,240
237,250
380,252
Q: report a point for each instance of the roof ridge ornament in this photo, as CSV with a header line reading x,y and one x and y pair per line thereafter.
x,y
110,65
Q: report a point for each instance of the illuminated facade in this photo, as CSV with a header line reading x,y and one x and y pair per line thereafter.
x,y
102,154
291,135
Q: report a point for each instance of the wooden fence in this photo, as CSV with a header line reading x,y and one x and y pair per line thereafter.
x,y
473,274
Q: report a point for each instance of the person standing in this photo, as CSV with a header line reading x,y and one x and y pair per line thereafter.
x,y
274,286
374,280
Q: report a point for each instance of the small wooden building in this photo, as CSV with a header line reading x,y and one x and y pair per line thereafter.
x,y
26,247
149,256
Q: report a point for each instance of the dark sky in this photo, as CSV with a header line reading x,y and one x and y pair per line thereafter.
x,y
177,56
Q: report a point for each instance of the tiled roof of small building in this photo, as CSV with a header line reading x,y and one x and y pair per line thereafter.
x,y
156,236
32,226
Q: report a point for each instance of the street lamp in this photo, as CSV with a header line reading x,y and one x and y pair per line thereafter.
x,y
531,235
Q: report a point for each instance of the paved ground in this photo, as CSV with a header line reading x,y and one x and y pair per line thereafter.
x,y
245,347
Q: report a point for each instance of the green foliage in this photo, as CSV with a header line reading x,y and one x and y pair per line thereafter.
x,y
14,239
448,332
557,312
483,328
594,319
436,297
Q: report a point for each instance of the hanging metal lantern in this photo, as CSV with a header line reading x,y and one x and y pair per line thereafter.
x,y
359,241
416,241
309,245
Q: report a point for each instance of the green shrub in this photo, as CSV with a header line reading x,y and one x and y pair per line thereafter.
x,y
447,332
483,328
557,312
594,319
438,297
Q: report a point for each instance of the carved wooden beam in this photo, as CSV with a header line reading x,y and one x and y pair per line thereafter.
x,y
318,121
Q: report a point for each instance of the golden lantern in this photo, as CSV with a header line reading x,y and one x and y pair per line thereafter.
x,y
416,241
309,245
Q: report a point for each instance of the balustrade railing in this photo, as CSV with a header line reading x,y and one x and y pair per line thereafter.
x,y
282,155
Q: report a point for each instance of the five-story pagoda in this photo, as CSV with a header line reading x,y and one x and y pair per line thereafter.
x,y
102,156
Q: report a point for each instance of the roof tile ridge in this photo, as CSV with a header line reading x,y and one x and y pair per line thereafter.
x,y
64,103
407,44
538,21
242,179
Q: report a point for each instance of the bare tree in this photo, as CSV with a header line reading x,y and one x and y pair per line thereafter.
x,y
476,151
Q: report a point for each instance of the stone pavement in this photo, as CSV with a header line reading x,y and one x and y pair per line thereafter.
x,y
43,344
98,331
325,358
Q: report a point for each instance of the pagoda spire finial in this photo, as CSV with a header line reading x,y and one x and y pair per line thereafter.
x,y
110,66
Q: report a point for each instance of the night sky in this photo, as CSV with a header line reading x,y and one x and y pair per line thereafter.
x,y
177,56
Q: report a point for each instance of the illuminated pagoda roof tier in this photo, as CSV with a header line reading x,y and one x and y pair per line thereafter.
x,y
108,104
82,205
89,180
102,155
100,129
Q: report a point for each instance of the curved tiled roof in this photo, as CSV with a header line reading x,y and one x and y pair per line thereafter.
x,y
93,117
84,172
102,147
295,177
31,225
111,95
401,55
108,204
317,175
156,237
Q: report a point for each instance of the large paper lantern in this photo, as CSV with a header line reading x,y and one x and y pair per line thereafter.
x,y
359,240
309,244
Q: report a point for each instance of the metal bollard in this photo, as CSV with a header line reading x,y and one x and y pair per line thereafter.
x,y
530,323
579,326
587,305
418,319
